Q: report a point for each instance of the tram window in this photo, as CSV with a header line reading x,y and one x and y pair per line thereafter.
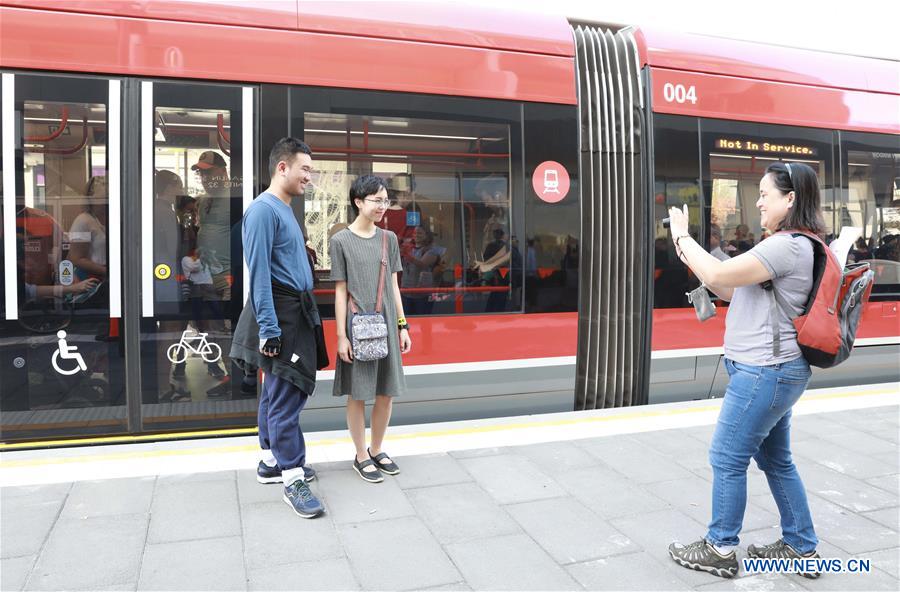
x,y
731,159
734,217
448,183
677,182
197,209
872,204
62,351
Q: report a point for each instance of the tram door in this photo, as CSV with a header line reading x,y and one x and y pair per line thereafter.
x,y
61,356
197,178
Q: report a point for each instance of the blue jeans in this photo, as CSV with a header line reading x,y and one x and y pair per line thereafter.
x,y
755,421
280,404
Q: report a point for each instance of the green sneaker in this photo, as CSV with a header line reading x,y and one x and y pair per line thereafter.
x,y
702,556
781,550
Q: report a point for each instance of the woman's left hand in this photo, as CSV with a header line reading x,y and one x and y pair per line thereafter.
x,y
679,221
405,341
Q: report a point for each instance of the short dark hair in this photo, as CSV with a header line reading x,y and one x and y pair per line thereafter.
x,y
285,149
363,187
802,180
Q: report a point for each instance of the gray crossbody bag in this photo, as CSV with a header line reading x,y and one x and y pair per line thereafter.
x,y
369,330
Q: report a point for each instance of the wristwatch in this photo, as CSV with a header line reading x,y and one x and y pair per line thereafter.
x,y
402,324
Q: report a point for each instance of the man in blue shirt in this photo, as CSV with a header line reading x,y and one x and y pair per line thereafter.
x,y
276,255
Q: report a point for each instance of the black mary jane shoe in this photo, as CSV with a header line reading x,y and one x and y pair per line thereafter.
x,y
388,467
370,476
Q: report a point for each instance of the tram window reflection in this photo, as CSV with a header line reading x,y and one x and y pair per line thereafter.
x,y
64,349
196,250
873,206
448,183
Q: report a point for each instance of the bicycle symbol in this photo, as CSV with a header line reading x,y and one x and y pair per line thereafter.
x,y
178,352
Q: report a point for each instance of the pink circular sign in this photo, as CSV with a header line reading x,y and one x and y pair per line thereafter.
x,y
550,181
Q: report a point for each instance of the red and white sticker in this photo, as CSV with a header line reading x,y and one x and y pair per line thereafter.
x,y
550,181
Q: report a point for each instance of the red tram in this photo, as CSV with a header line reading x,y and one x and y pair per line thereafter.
x,y
135,133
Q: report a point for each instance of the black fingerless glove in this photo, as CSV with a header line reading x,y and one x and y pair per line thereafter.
x,y
272,346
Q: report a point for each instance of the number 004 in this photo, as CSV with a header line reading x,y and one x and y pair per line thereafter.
x,y
677,93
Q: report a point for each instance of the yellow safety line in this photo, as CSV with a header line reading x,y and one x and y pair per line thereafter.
x,y
410,436
130,439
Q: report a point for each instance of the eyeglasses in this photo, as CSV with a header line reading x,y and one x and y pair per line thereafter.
x,y
379,203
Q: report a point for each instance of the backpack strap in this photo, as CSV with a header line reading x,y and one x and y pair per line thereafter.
x,y
776,301
776,304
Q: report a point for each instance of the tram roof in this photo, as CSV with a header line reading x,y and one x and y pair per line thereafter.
x,y
761,61
448,23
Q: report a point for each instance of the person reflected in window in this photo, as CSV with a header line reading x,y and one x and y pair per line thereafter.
x,y
418,272
743,241
205,306
715,243
169,189
214,251
38,238
87,235
491,192
397,218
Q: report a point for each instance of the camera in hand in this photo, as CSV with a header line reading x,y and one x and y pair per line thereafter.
x,y
665,222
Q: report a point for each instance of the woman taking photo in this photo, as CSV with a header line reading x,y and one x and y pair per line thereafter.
x,y
767,371
356,263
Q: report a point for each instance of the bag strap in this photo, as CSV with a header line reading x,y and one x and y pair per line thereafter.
x,y
381,280
776,304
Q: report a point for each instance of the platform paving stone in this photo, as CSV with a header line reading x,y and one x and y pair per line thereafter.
x,y
876,579
460,512
845,491
14,571
328,574
761,582
89,553
109,497
629,456
274,535
207,564
887,561
889,517
624,572
429,470
861,441
608,493
842,460
190,510
511,562
889,483
349,499
850,531
510,479
555,458
595,514
693,497
250,491
398,554
568,531
25,523
455,587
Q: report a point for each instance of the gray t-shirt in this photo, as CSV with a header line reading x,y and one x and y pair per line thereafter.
x,y
748,329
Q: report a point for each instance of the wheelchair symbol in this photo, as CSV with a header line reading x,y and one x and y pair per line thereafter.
x,y
67,352
178,352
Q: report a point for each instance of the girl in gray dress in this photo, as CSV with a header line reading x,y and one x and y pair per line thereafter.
x,y
356,254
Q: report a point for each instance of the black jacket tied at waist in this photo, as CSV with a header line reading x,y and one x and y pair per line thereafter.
x,y
303,348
